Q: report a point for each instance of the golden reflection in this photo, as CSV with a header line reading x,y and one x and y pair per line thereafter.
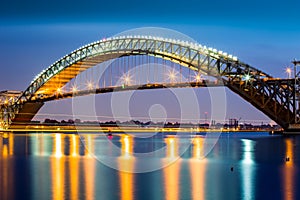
x,y
171,144
73,167
41,145
89,168
289,170
58,169
11,144
198,147
5,135
172,171
58,145
197,169
4,151
89,175
7,145
89,147
6,172
74,145
126,165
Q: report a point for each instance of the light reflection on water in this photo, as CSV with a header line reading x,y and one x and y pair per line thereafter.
x,y
289,171
248,169
172,171
126,163
197,169
59,166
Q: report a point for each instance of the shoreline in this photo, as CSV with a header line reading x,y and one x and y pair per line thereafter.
x,y
125,129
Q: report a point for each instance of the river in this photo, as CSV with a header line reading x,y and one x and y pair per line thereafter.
x,y
250,165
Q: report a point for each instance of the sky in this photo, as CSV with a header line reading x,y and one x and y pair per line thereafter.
x,y
34,34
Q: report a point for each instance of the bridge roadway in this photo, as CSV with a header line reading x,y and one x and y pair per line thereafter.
x,y
127,88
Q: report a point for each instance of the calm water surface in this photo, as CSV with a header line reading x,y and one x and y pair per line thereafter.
x,y
62,166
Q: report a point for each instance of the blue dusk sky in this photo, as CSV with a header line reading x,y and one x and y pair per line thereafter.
x,y
34,34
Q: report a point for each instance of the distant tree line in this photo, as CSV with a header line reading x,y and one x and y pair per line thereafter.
x,y
135,123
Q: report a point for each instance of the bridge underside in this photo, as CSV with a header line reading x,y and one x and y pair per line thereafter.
x,y
27,112
253,95
29,109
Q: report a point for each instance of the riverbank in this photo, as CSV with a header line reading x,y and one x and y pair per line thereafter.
x,y
120,129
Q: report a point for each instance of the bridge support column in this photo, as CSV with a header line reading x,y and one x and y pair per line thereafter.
x,y
292,129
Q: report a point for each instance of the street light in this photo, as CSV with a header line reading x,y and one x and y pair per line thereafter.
x,y
197,77
288,70
127,79
74,89
90,85
172,75
58,90
246,77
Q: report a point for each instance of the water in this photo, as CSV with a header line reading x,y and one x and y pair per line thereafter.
x,y
58,166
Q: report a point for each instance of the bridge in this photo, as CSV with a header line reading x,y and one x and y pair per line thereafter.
x,y
277,98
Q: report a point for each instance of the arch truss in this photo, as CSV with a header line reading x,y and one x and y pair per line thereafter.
x,y
274,97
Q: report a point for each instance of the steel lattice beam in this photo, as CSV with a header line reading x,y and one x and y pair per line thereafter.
x,y
271,96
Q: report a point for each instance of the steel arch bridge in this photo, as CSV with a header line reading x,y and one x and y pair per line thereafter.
x,y
274,97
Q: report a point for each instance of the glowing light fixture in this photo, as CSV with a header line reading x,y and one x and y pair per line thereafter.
x,y
172,75
89,85
126,79
247,77
197,77
288,70
74,89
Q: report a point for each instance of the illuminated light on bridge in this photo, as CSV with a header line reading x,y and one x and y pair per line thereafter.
x,y
196,77
172,75
74,89
247,77
288,70
126,79
59,90
90,85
